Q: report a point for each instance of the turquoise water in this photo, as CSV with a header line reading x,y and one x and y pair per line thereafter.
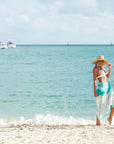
x,y
56,80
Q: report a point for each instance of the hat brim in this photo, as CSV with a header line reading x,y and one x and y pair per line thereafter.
x,y
105,62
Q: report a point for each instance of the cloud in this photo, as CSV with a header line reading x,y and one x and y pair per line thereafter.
x,y
10,21
3,10
84,7
24,18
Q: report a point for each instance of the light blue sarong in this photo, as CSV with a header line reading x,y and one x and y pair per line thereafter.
x,y
104,100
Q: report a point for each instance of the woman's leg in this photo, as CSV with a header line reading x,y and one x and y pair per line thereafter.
x,y
111,115
97,121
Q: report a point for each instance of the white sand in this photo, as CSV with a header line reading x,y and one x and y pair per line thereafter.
x,y
33,134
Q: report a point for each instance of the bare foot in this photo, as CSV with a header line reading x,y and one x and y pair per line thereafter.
x,y
109,120
98,124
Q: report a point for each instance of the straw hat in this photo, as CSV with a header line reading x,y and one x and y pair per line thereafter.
x,y
100,58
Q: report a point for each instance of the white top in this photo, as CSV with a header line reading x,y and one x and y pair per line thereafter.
x,y
102,74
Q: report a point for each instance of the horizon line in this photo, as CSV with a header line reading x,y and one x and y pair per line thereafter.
x,y
64,44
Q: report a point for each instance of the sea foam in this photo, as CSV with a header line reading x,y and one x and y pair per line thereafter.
x,y
50,119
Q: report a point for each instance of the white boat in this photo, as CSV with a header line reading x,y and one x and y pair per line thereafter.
x,y
11,44
3,46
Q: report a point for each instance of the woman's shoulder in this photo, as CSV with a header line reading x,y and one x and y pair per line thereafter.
x,y
95,69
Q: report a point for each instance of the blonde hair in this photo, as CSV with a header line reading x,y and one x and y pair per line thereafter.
x,y
98,68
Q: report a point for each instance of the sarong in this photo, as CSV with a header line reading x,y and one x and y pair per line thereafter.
x,y
104,100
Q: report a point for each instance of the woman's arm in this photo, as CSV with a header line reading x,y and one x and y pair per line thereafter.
x,y
109,71
95,81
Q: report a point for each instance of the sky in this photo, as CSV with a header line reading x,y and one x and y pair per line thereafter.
x,y
57,21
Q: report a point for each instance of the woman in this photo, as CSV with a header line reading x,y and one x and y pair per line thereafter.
x,y
104,91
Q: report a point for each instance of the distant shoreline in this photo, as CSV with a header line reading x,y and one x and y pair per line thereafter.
x,y
66,44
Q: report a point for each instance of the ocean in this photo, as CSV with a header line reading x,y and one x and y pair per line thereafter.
x,y
49,84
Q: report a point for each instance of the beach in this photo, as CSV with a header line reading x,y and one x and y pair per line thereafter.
x,y
56,134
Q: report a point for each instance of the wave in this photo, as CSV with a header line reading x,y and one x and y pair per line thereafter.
x,y
50,119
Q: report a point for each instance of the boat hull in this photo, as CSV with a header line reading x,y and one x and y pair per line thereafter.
x,y
3,47
11,46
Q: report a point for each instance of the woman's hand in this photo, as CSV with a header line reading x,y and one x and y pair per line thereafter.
x,y
95,95
109,65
